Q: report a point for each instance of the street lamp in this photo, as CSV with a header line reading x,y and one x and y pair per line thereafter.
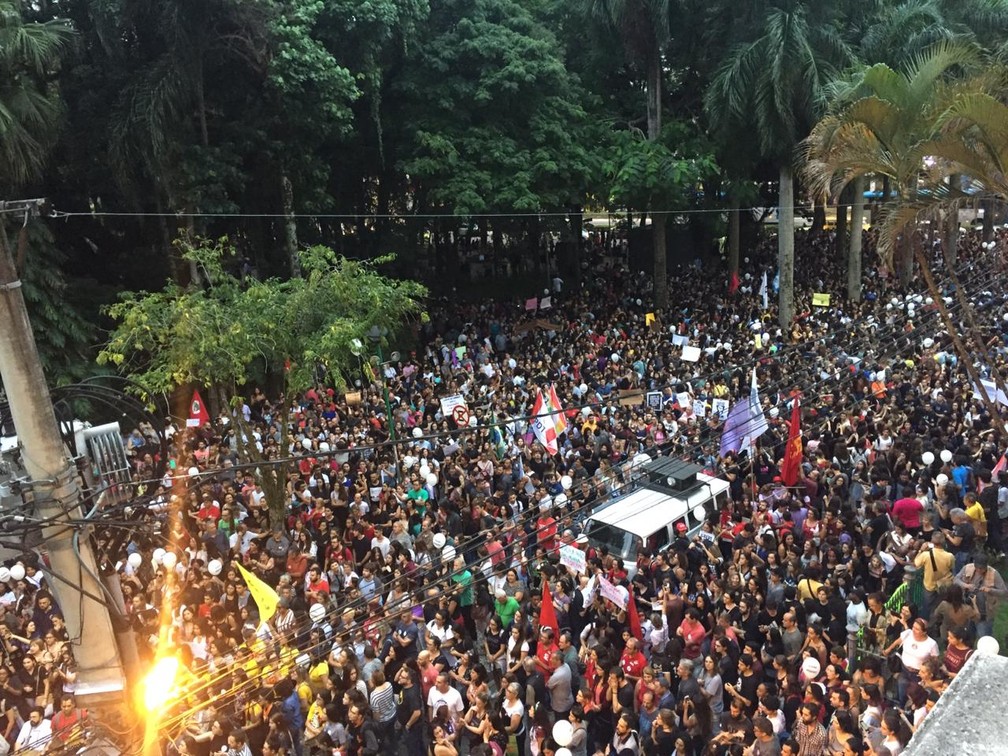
x,y
376,334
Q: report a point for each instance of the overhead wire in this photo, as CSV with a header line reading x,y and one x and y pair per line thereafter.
x,y
462,548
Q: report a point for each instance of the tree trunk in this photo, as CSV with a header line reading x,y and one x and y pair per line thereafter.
x,y
785,246
904,259
854,254
951,240
734,223
818,217
841,223
965,357
658,220
201,107
290,225
988,219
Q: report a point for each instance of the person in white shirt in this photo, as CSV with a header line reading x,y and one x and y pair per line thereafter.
x,y
35,733
443,694
917,646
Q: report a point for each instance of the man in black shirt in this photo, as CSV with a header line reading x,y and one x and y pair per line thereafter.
x,y
410,712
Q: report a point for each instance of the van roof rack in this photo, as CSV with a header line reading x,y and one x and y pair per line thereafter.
x,y
672,474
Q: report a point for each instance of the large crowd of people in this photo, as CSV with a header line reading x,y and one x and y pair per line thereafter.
x,y
392,601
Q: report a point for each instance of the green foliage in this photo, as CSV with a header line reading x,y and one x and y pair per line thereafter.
x,y
29,102
62,310
653,174
497,121
217,335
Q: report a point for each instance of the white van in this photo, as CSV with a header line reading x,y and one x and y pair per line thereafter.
x,y
672,492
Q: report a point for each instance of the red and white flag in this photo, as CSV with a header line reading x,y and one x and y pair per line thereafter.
x,y
1001,464
198,414
543,425
559,421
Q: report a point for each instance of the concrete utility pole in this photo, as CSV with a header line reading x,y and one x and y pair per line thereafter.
x,y
101,682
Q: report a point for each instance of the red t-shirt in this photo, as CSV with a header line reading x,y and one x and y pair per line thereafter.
x,y
633,664
908,512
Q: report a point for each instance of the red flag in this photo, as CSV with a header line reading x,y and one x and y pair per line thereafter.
x,y
198,414
547,614
1001,464
633,618
733,282
793,454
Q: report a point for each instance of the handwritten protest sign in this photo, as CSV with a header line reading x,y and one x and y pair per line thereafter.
x,y
573,559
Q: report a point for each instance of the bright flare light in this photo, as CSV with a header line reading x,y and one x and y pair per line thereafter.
x,y
160,684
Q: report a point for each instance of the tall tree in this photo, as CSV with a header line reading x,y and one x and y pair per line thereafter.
x,y
29,102
643,25
771,81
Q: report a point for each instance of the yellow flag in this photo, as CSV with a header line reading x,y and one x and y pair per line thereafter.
x,y
820,300
265,597
649,318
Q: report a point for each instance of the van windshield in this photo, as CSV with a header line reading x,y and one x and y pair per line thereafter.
x,y
617,542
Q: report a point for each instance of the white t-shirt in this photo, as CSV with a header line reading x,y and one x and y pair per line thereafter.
x,y
450,698
914,651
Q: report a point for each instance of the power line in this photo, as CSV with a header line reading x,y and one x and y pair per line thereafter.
x,y
464,549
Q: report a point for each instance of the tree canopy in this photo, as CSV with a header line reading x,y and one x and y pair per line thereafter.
x,y
365,126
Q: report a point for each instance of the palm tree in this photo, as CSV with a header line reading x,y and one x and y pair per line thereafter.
x,y
29,104
895,123
770,83
643,26
919,127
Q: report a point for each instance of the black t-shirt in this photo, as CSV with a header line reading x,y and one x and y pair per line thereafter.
x,y
967,532
747,686
409,702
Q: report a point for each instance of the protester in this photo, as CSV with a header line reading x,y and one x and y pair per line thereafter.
x,y
379,598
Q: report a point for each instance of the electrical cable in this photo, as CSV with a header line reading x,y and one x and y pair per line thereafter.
x,y
485,426
423,601
460,431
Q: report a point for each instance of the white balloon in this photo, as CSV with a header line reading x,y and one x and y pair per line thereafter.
x,y
583,388
927,458
563,732
169,560
432,479
306,444
946,455
639,302
511,363
417,432
324,446
563,751
614,357
473,421
700,513
928,343
424,470
988,646
566,482
4,574
811,668
448,553
439,540
17,572
158,555
215,567
560,499
135,559
317,612
941,480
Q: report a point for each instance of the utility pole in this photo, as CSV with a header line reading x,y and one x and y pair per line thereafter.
x,y
101,683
